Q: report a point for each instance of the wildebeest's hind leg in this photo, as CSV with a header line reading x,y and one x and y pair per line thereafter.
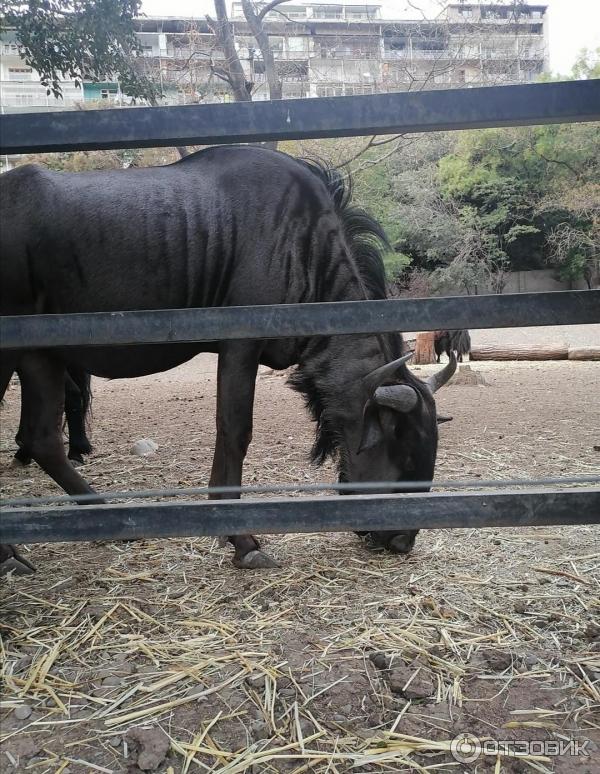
x,y
42,400
77,396
42,404
238,365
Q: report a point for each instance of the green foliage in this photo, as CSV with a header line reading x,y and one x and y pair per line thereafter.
x,y
79,38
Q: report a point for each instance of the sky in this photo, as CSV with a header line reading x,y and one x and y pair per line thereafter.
x,y
573,24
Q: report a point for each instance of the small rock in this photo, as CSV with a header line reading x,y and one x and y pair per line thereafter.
x,y
543,579
22,712
256,681
497,660
258,729
22,663
151,745
102,692
419,687
380,660
195,691
592,632
112,681
115,741
337,718
95,611
530,660
520,606
287,692
144,447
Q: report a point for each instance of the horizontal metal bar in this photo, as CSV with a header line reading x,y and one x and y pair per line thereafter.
x,y
292,320
357,487
424,111
321,514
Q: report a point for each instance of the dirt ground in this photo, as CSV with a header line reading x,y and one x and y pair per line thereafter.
x,y
160,656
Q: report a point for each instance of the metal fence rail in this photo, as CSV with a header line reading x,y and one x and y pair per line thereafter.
x,y
538,507
288,119
423,111
296,320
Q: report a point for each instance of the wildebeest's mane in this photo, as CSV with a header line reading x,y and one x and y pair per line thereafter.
x,y
367,240
365,236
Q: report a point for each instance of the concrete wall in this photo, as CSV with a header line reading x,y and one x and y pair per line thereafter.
x,y
540,280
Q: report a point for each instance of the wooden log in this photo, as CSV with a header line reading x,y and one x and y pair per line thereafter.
x,y
559,351
424,348
584,353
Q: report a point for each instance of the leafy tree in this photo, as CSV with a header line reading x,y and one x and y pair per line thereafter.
x,y
74,39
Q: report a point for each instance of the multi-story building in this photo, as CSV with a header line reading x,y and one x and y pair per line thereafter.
x,y
322,50
20,87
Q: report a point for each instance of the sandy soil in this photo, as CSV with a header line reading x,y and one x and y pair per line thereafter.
x,y
340,659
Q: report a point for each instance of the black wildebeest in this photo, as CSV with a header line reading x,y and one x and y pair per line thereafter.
x,y
77,403
452,341
226,226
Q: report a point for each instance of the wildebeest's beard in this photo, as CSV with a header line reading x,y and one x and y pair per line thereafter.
x,y
378,426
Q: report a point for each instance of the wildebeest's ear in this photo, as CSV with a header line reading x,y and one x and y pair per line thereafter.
x,y
441,419
372,432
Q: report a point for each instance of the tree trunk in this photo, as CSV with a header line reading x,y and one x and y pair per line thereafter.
x,y
584,353
424,348
258,30
557,351
235,72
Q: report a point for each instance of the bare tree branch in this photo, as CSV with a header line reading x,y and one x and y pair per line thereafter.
x,y
269,7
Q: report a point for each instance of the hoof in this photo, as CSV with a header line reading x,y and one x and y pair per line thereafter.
x,y
16,564
21,459
255,560
401,544
76,462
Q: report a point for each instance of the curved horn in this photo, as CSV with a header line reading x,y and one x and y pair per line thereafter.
x,y
399,397
439,379
387,371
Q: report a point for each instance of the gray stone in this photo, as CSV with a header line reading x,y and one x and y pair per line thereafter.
x,y
144,447
258,729
22,712
420,687
112,681
256,681
497,660
380,660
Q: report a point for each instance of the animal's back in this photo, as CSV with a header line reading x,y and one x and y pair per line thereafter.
x,y
205,231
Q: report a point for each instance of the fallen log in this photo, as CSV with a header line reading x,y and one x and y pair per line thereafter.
x,y
584,353
520,352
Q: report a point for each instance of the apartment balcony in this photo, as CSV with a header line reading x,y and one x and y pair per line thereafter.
x,y
346,53
417,53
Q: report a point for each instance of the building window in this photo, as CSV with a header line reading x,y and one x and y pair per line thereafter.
x,y
20,73
24,99
108,93
330,90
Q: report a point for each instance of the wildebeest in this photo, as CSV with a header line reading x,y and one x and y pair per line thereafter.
x,y
226,226
452,341
77,403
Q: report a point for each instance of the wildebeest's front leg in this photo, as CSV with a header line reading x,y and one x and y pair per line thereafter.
x,y
238,365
